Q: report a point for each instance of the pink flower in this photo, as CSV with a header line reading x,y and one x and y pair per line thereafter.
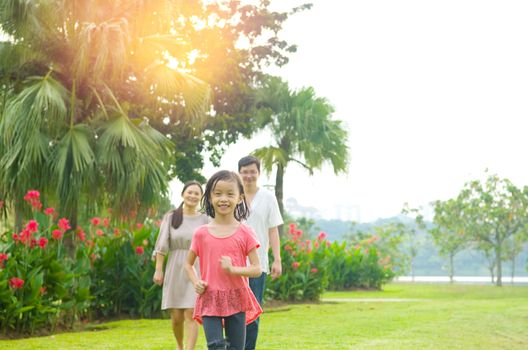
x,y
288,248
295,265
140,250
322,236
49,211
314,270
328,244
106,222
139,226
32,226
316,244
16,237
16,283
42,242
57,234
292,228
99,232
116,232
64,224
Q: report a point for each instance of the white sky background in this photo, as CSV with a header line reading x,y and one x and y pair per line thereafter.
x,y
432,93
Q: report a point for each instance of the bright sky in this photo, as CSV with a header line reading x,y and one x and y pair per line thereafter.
x,y
432,93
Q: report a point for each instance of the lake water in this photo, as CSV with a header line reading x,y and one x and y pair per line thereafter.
x,y
462,279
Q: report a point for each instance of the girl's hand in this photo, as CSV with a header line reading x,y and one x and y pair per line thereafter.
x,y
200,287
226,263
158,277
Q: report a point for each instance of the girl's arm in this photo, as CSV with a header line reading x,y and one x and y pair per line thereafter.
x,y
199,285
253,270
158,275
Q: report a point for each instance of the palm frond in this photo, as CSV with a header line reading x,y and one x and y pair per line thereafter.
x,y
270,156
73,163
174,85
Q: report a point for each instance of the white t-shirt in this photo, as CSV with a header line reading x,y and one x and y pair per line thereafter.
x,y
264,214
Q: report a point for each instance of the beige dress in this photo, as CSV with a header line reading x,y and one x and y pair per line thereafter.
x,y
178,291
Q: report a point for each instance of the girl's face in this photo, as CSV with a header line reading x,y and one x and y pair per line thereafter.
x,y
191,196
224,197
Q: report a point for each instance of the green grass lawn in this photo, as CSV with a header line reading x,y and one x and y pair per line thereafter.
x,y
436,316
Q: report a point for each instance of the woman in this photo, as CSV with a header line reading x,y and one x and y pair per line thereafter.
x,y
174,239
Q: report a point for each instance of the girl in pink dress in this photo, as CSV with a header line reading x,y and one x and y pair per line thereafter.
x,y
223,247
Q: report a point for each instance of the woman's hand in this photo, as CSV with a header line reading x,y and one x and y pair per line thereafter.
x,y
200,286
158,277
226,264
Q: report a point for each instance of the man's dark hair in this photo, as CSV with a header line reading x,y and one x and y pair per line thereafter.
x,y
248,160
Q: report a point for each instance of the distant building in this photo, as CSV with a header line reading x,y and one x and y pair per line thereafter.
x,y
296,210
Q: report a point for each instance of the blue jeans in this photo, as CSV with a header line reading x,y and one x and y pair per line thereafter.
x,y
234,328
257,286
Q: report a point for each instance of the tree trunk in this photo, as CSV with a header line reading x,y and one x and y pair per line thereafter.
x,y
451,267
499,263
279,194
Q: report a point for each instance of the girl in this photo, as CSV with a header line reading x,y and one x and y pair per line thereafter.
x,y
223,246
175,235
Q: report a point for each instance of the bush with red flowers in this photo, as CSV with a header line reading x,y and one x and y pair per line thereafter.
x,y
311,266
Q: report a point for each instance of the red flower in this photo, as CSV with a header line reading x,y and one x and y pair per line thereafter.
x,y
42,290
314,270
140,250
106,222
316,244
42,242
16,283
116,232
49,211
292,228
139,226
81,235
288,247
25,236
99,232
57,234
64,224
33,198
295,265
3,257
32,226
322,236
16,237
95,221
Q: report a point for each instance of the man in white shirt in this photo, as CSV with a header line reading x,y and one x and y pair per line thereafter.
x,y
264,218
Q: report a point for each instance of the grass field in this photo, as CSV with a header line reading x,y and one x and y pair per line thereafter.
x,y
402,316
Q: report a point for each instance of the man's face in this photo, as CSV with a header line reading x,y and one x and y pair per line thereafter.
x,y
250,174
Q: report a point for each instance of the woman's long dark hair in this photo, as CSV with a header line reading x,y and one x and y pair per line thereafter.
x,y
241,210
177,214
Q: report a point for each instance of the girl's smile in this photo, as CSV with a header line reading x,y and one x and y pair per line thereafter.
x,y
225,197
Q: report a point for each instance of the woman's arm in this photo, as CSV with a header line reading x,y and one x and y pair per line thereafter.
x,y
253,270
199,285
158,274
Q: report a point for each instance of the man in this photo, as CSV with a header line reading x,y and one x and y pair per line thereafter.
x,y
264,218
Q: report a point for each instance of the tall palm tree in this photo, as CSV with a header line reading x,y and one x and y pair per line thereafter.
x,y
302,131
80,81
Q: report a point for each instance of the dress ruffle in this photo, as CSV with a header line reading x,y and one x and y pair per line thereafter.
x,y
224,303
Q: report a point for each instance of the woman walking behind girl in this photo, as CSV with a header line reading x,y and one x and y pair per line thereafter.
x,y
223,246
175,236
